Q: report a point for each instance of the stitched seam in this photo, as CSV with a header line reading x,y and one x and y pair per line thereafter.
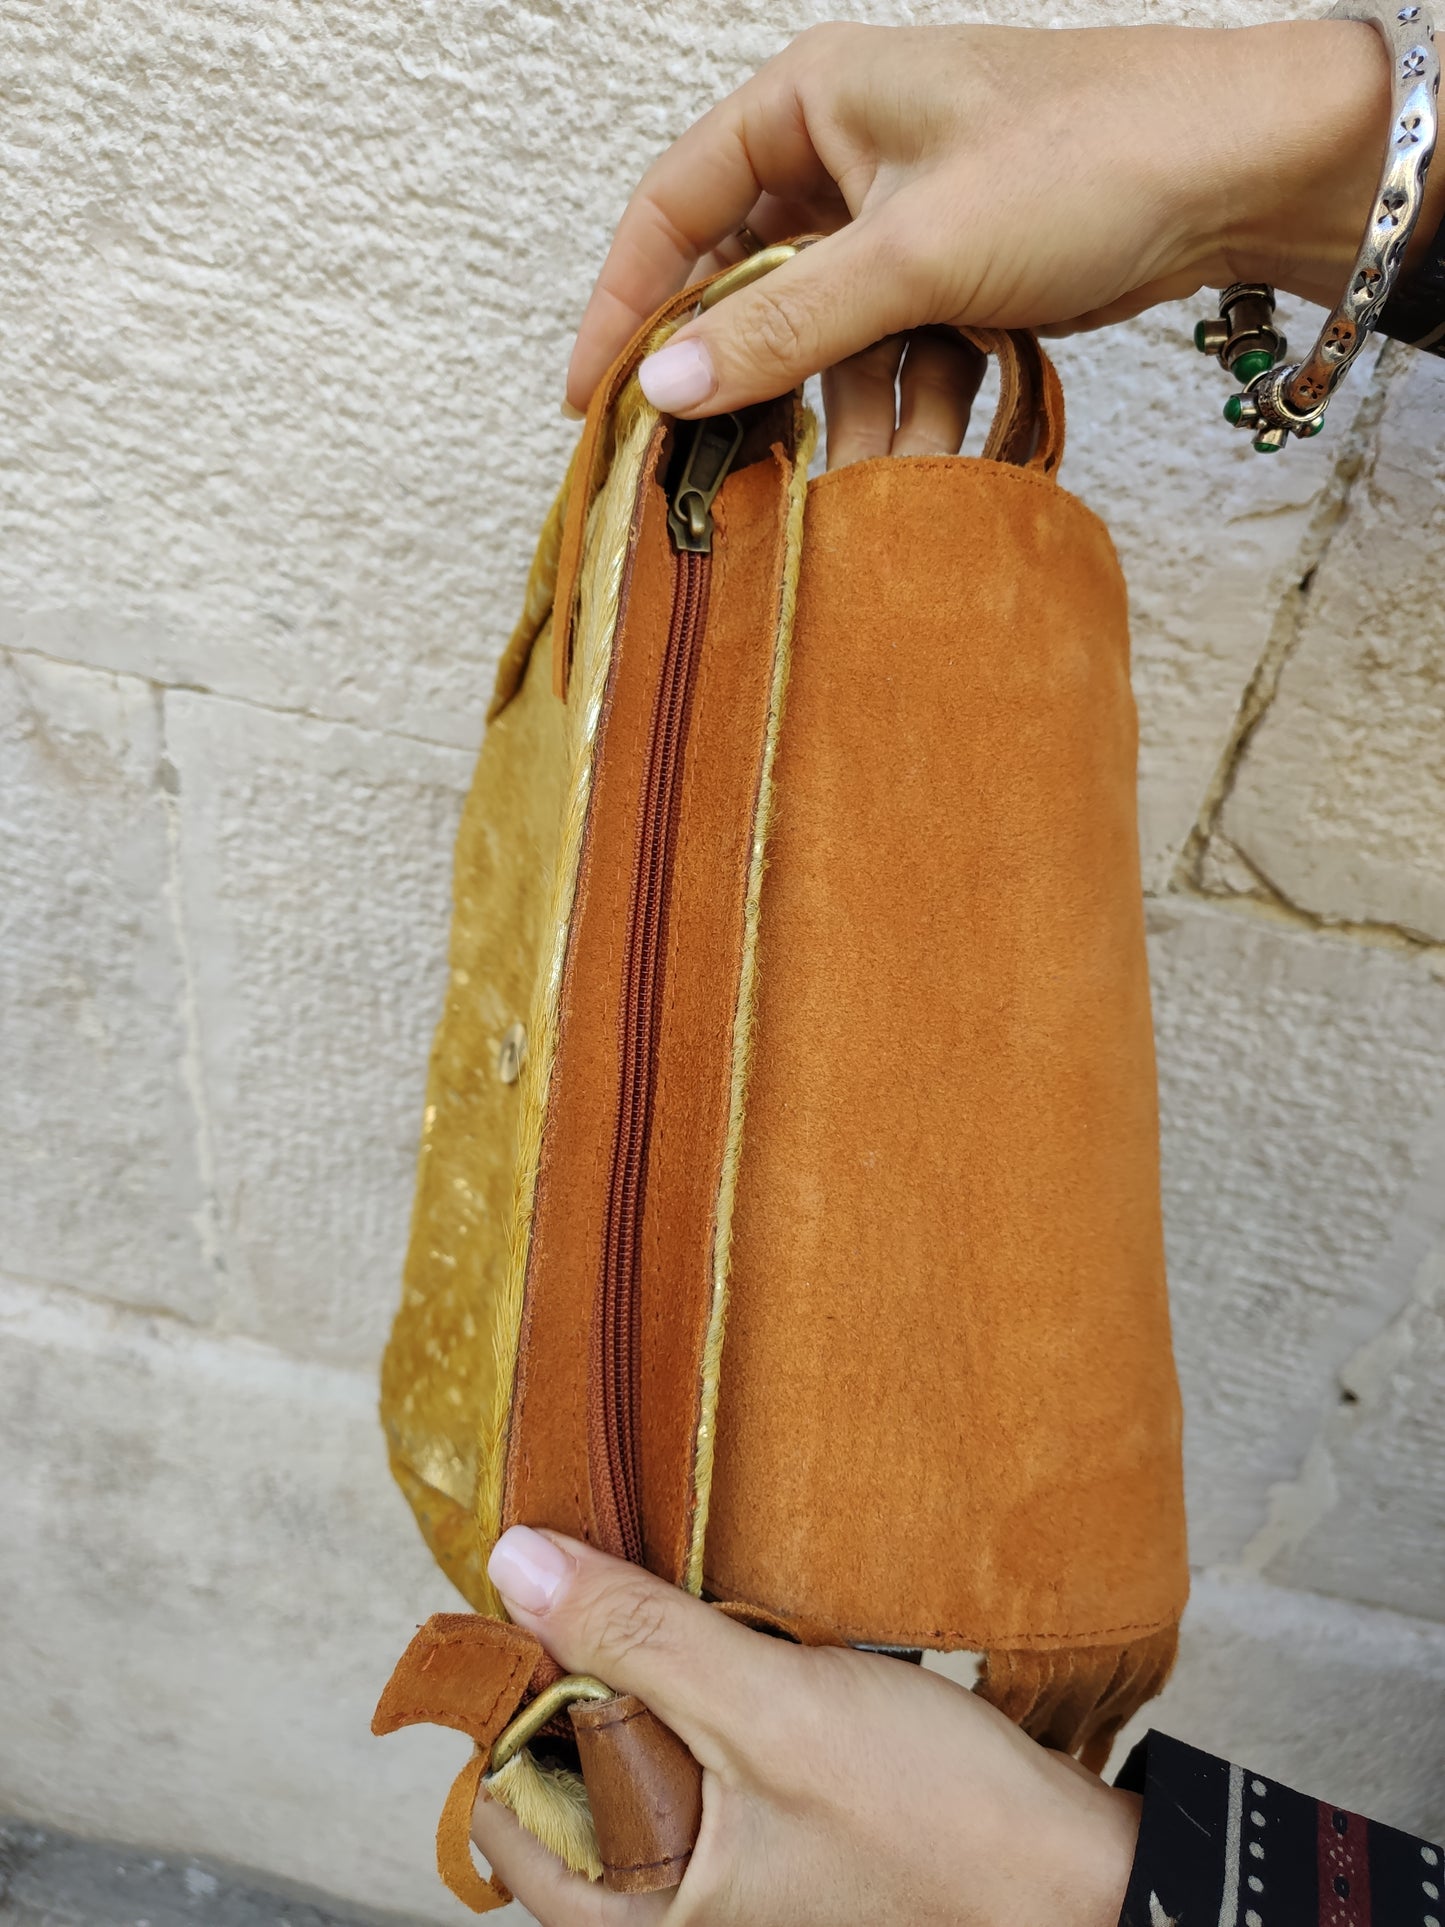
x,y
618,1719
450,1716
512,1638
1025,1641
646,1866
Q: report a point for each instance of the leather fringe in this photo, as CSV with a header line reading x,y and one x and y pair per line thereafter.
x,y
1077,1698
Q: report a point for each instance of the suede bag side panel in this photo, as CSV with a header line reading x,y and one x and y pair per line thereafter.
x,y
948,1412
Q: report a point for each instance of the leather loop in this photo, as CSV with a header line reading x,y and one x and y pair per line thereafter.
x,y
792,1626
469,1673
462,1671
1028,426
645,1790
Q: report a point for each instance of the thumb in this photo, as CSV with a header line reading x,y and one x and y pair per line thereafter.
x,y
833,298
702,1674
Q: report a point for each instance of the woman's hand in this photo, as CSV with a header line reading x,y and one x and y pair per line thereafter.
x,y
838,1787
1017,178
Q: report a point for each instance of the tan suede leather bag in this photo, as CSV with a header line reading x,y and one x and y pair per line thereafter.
x,y
788,1213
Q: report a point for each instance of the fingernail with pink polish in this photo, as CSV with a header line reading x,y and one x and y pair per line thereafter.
x,y
678,376
528,1570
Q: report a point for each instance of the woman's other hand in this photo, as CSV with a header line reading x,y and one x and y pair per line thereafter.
x,y
838,1786
1016,178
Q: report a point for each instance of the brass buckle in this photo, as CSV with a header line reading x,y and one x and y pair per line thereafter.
x,y
553,1700
744,273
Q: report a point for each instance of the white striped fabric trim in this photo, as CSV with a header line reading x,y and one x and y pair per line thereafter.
x,y
1229,1902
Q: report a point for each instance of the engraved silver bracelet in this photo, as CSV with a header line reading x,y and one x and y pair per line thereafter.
x,y
1277,401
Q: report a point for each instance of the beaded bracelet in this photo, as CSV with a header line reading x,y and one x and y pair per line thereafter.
x,y
1275,401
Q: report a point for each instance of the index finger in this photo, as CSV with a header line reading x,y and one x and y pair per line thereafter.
x,y
691,199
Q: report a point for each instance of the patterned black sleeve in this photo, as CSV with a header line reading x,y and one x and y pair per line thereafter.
x,y
1415,312
1220,1846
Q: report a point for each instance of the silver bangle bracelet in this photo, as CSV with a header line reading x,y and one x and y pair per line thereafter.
x,y
1277,401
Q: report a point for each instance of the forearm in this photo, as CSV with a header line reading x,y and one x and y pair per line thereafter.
x,y
1286,179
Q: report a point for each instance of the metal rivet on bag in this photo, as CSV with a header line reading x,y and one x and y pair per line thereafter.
x,y
512,1053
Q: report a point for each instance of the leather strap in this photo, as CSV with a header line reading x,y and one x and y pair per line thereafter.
x,y
644,1785
459,1871
471,1674
1028,431
645,1790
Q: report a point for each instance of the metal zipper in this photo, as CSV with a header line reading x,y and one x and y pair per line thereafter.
x,y
615,1377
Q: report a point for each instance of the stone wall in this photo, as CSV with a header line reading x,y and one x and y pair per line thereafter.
x,y
288,288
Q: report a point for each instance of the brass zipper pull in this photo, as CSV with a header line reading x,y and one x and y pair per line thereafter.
x,y
715,443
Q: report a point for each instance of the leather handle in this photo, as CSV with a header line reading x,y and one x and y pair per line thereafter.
x,y
1028,427
645,1791
1028,431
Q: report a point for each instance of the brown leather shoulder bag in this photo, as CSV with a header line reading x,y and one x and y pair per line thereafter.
x,y
788,1211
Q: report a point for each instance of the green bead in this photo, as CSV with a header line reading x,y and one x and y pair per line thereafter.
x,y
1200,343
1252,364
1234,408
1314,428
1267,448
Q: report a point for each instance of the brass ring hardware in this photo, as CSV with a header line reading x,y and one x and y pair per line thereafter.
x,y
744,273
553,1700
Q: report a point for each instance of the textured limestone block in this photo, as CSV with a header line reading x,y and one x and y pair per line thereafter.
x,y
1339,800
101,1185
1365,1517
315,878
1343,1704
1210,536
1300,1079
208,1577
274,384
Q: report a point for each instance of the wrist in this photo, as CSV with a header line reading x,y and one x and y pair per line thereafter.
x,y
1284,188
1097,1848
1109,1861
1073,1859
